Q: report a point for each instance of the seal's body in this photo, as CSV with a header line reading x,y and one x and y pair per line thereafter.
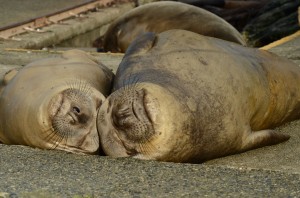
x,y
183,97
53,103
161,16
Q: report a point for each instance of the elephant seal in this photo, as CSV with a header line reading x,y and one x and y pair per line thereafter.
x,y
182,97
52,103
161,16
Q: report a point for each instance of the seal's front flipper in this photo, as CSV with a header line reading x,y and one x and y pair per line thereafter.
x,y
10,75
7,76
262,138
142,44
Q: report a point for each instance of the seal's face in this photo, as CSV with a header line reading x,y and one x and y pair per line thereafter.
x,y
53,103
72,119
140,122
130,120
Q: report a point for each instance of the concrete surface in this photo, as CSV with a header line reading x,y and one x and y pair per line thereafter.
x,y
289,49
272,171
57,33
35,173
18,11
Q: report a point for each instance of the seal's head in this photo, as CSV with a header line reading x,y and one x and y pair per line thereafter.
x,y
53,103
72,115
140,121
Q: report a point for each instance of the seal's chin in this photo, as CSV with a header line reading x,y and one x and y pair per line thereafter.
x,y
71,149
85,142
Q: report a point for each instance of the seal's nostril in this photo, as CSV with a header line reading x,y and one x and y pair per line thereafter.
x,y
76,110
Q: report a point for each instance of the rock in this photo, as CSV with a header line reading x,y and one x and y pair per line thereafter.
x,y
276,19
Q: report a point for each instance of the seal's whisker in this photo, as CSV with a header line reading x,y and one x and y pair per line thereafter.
x,y
136,84
77,84
126,88
131,79
59,128
53,138
70,84
56,125
136,79
65,137
85,88
148,147
132,83
50,134
144,149
81,85
58,141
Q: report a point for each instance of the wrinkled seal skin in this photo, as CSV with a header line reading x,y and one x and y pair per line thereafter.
x,y
184,97
161,16
52,103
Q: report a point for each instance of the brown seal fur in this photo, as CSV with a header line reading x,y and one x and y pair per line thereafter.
x,y
161,16
184,97
53,103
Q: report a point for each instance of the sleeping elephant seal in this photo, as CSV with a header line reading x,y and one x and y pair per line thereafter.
x,y
161,16
183,97
53,103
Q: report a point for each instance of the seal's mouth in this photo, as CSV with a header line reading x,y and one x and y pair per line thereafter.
x,y
73,117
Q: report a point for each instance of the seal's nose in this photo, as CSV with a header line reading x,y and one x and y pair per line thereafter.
x,y
76,110
78,115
